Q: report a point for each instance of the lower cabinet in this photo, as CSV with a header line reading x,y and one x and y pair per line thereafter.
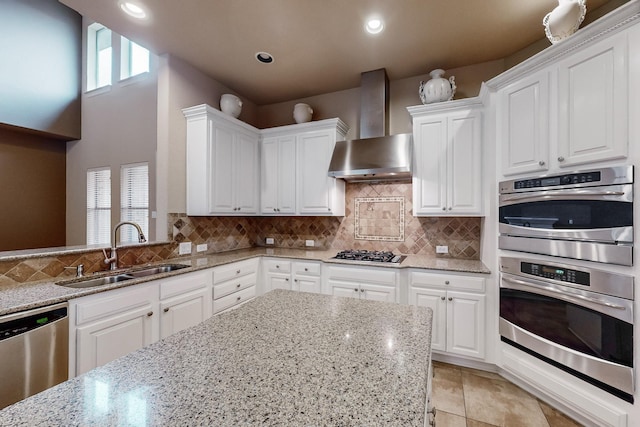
x,y
234,284
111,324
458,304
301,276
378,284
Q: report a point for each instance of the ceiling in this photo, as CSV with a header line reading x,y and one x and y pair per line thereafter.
x,y
320,46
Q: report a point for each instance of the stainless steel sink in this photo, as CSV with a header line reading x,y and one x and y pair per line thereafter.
x,y
121,277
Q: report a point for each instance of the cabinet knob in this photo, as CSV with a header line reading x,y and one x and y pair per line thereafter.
x,y
286,280
541,162
275,210
237,271
446,282
361,290
166,309
561,159
149,314
329,209
444,208
450,298
306,269
442,298
278,209
277,266
295,280
356,289
238,285
238,299
449,207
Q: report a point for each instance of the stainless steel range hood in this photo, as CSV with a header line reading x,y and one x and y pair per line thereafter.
x,y
376,156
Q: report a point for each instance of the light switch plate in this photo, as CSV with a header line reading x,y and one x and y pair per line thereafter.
x,y
442,249
184,248
202,247
309,243
269,241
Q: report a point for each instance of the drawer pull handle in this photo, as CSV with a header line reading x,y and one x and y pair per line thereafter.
x,y
149,314
166,309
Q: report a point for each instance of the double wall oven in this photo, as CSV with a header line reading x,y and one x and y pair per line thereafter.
x,y
578,318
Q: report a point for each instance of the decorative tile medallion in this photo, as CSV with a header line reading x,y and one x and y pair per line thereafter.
x,y
379,219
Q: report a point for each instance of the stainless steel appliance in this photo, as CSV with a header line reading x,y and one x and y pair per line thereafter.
x,y
578,319
34,352
369,256
583,215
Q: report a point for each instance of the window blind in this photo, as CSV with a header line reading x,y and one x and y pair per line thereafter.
x,y
98,206
134,200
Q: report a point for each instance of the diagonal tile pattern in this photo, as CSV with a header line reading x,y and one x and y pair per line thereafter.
x,y
466,397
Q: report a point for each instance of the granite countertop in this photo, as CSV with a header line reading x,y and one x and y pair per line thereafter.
x,y
25,296
285,358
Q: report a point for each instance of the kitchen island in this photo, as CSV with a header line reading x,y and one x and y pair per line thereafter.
x,y
285,358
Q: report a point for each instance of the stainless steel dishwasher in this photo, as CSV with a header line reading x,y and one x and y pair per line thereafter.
x,y
34,352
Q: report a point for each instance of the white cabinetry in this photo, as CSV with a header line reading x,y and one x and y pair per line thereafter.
x,y
110,324
278,183
303,276
378,284
447,177
222,163
304,150
574,111
458,305
234,284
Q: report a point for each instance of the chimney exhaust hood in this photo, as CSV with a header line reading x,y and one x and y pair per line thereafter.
x,y
375,156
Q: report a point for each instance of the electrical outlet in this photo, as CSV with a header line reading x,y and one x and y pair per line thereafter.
x,y
309,243
201,248
269,241
442,249
184,248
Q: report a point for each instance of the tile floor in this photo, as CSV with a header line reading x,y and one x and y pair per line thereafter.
x,y
466,397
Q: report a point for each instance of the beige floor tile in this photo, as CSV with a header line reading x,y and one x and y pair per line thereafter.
x,y
474,423
447,390
500,403
480,373
445,419
557,418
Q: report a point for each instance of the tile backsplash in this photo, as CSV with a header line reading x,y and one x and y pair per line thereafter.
x,y
421,235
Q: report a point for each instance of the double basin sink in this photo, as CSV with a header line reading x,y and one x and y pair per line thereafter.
x,y
121,276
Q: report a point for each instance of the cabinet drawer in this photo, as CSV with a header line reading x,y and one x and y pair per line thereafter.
x,y
233,299
184,283
363,275
277,266
237,269
106,304
430,280
306,268
233,285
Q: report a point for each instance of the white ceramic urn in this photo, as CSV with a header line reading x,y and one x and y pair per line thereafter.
x,y
302,113
564,20
231,105
438,88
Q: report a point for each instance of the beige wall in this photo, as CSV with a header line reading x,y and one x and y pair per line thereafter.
x,y
32,191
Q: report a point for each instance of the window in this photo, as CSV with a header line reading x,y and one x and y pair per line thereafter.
x,y
99,56
134,200
134,59
98,206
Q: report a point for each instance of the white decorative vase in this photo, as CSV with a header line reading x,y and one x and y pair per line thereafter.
x,y
564,20
231,105
438,88
302,113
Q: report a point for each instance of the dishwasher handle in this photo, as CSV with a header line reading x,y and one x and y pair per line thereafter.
x,y
21,323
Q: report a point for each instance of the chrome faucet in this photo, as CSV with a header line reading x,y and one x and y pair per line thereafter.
x,y
112,260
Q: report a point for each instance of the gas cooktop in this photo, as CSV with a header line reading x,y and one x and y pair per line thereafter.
x,y
369,256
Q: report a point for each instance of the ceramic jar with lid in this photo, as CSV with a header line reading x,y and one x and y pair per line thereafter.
x,y
438,88
231,105
302,113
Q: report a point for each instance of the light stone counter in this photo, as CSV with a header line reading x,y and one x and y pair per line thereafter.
x,y
282,359
25,296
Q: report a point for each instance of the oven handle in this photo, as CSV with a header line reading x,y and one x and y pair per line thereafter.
x,y
574,194
562,295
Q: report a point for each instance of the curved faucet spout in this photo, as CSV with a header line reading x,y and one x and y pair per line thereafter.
x,y
113,259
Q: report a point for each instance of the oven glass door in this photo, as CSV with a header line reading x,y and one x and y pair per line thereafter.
x,y
570,325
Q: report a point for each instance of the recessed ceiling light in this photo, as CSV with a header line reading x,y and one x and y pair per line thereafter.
x,y
133,9
264,57
374,26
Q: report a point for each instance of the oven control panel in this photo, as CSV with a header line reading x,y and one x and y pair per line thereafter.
x,y
555,273
552,181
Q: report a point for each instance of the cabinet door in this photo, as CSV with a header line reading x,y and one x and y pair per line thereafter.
x,y
593,103
436,301
343,289
279,281
523,125
306,284
464,175
378,292
270,172
184,311
221,170
429,178
465,324
113,337
246,173
287,175
314,184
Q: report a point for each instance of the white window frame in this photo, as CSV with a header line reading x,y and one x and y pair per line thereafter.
x,y
134,208
93,57
98,213
127,48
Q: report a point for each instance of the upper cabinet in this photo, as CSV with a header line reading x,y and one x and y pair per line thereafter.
x,y
295,162
572,109
222,164
447,175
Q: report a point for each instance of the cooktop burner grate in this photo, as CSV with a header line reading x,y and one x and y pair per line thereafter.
x,y
372,256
